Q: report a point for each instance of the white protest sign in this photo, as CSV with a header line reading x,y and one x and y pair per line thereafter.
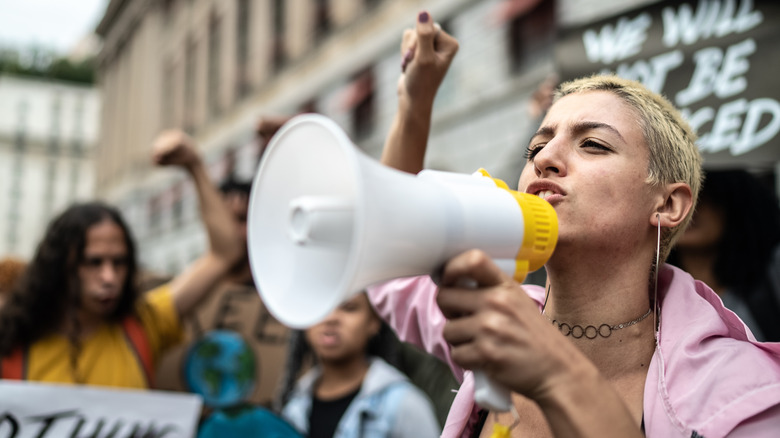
x,y
34,410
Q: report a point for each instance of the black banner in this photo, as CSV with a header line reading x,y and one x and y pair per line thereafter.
x,y
717,60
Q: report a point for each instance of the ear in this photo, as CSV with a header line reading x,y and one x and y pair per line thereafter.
x,y
374,326
675,201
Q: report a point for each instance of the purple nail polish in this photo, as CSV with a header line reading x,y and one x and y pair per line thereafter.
x,y
423,17
405,59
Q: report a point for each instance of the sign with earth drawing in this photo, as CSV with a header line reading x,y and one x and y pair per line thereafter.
x,y
716,60
220,367
234,351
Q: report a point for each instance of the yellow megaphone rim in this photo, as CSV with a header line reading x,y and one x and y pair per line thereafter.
x,y
541,230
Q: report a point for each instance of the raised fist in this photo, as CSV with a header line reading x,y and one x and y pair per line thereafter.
x,y
174,148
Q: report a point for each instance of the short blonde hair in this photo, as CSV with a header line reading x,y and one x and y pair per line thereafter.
x,y
671,143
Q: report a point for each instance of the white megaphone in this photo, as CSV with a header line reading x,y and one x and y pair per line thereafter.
x,y
325,221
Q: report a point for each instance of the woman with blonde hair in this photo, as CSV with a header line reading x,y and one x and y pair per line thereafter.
x,y
617,343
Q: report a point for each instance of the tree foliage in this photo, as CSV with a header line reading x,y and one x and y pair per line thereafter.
x,y
40,63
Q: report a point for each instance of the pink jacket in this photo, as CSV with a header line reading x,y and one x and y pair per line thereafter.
x,y
707,376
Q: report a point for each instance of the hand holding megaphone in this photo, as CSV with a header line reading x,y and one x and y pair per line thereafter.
x,y
326,221
487,393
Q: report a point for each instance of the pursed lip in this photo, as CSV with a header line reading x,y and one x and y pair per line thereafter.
x,y
108,300
108,293
329,338
547,190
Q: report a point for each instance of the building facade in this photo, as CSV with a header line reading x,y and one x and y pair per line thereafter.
x,y
48,131
214,67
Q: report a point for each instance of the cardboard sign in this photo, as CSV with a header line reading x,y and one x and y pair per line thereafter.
x,y
29,409
716,60
238,308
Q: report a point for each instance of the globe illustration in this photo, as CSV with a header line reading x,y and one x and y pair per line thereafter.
x,y
220,367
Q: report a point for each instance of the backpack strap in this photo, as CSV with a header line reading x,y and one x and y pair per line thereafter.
x,y
14,366
139,343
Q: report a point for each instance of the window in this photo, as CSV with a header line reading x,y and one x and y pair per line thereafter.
x,y
54,126
16,182
531,32
309,106
322,22
173,266
279,52
21,126
155,214
177,210
78,126
11,233
215,42
243,85
14,201
189,86
167,94
74,180
49,197
229,165
360,99
167,7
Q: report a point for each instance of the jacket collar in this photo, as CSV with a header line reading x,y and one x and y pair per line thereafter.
x,y
702,345
379,376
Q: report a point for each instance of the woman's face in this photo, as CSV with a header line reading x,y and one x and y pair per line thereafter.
x,y
589,159
345,333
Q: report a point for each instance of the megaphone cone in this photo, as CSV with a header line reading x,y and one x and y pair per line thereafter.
x,y
326,221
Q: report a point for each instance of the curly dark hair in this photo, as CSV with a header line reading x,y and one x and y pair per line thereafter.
x,y
50,290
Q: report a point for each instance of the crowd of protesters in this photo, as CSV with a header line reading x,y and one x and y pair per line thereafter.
x,y
75,313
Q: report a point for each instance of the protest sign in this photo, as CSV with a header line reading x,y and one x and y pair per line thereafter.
x,y
716,60
36,410
237,308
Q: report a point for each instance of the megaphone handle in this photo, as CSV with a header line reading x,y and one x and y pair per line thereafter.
x,y
491,395
487,393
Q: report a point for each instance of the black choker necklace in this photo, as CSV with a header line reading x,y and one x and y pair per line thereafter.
x,y
577,331
604,330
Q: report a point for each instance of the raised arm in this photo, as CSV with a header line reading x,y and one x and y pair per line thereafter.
x,y
426,54
408,305
175,148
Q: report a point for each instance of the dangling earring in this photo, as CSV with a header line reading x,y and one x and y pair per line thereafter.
x,y
546,296
657,267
